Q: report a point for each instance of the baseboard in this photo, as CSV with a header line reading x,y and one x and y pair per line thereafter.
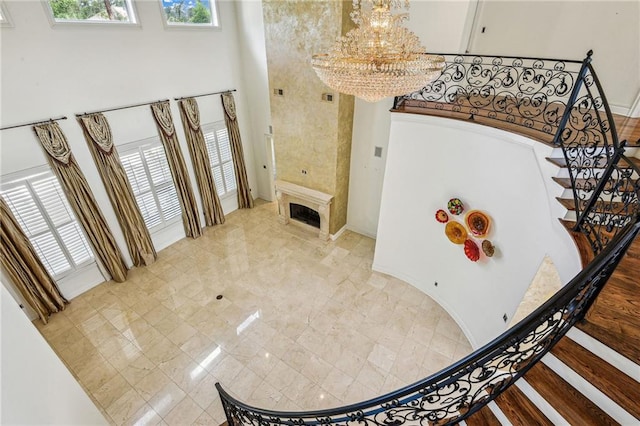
x,y
337,234
360,231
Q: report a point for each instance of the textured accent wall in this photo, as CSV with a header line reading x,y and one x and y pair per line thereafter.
x,y
312,137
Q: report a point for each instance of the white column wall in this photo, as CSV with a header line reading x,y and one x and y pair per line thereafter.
x,y
37,388
432,160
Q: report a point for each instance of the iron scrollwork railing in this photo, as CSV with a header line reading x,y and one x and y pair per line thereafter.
x,y
463,388
528,94
605,183
560,102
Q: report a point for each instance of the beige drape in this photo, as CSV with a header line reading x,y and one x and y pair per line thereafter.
x,y
81,199
25,269
98,135
190,115
164,121
245,200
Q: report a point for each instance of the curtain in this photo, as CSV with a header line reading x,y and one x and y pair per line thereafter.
x,y
25,269
98,135
190,116
81,199
245,200
164,121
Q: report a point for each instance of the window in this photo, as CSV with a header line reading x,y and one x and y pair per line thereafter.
x,y
150,178
190,13
216,137
42,210
92,11
5,21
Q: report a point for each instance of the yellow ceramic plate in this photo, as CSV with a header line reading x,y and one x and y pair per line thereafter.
x,y
456,233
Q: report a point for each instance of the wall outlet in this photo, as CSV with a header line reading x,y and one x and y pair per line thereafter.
x,y
303,171
327,97
504,317
377,152
278,92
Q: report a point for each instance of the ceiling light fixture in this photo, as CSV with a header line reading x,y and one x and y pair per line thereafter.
x,y
380,57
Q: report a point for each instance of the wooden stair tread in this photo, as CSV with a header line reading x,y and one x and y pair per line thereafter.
x,y
519,409
629,348
483,417
600,206
600,164
621,388
581,184
567,400
581,242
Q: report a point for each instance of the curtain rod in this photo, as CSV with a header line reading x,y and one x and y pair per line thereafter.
x,y
33,123
205,94
122,107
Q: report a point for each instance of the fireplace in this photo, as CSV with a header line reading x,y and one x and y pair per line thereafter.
x,y
307,207
304,214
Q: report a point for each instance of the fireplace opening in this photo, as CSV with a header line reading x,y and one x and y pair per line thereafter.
x,y
305,214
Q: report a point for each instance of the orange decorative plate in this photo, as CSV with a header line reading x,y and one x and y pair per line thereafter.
x,y
456,233
478,223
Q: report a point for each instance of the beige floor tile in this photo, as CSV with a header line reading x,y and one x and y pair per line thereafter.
x,y
150,384
111,390
125,407
184,413
166,399
206,420
337,382
145,416
137,369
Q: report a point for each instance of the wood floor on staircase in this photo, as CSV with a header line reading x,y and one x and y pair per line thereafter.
x,y
614,318
566,400
519,409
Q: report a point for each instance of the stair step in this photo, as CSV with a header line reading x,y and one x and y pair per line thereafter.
x,y
484,417
568,401
599,164
519,409
600,206
619,387
581,242
598,348
590,184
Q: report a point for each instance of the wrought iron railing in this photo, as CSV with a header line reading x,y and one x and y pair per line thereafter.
x,y
560,102
463,388
556,101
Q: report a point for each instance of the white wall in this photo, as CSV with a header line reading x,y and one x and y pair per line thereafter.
x,y
567,30
37,389
256,81
441,26
431,160
52,71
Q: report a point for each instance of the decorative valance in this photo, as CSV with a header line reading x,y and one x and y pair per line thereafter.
x,y
229,105
164,120
191,112
54,141
98,128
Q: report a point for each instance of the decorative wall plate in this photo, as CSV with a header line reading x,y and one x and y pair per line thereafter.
x,y
456,233
455,206
471,250
488,248
478,223
442,216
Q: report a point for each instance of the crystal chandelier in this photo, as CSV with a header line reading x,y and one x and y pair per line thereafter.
x,y
380,57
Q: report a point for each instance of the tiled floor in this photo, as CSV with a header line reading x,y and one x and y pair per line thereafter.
x,y
302,324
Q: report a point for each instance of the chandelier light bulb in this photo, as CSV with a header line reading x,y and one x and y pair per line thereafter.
x,y
380,57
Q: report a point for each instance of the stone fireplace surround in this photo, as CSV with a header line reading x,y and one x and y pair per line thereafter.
x,y
287,193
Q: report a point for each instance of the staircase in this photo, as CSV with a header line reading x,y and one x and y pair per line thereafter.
x,y
592,375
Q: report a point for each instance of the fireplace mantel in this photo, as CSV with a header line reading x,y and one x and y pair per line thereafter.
x,y
287,193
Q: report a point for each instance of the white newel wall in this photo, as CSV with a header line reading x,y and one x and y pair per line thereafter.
x,y
431,160
37,388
